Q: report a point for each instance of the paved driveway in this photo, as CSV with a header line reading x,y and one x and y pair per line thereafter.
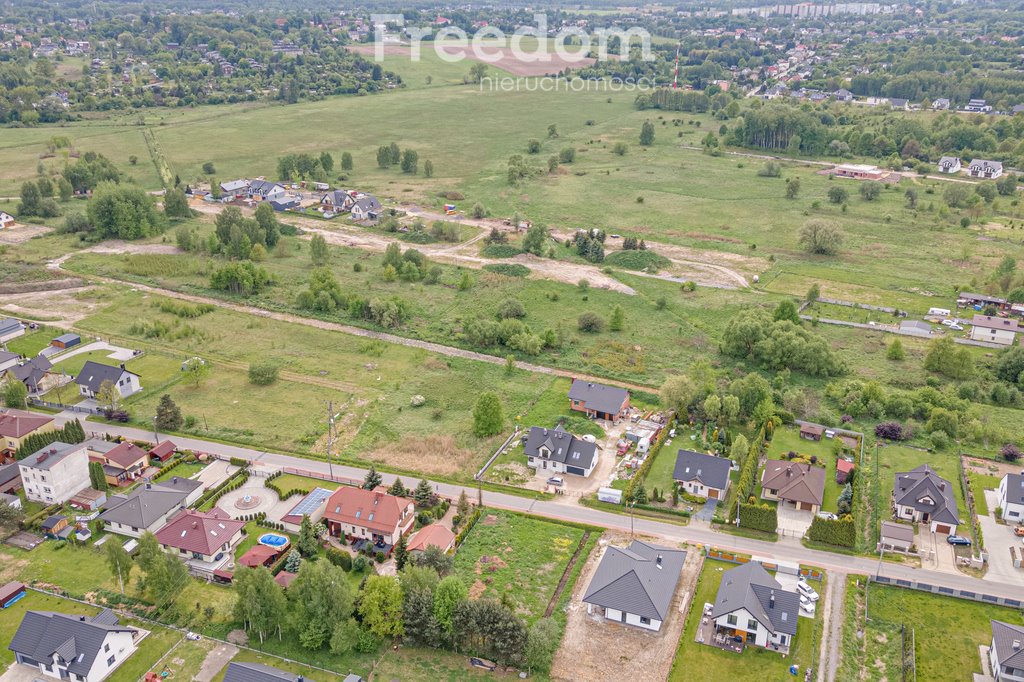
x,y
20,673
998,539
792,522
706,512
939,553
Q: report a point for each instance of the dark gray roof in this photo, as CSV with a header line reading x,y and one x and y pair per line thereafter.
x,y
6,355
599,397
749,587
1014,488
695,466
100,445
1003,637
631,579
563,446
367,202
93,375
263,186
9,324
77,639
148,503
64,338
926,491
256,672
898,531
50,455
32,371
9,472
52,521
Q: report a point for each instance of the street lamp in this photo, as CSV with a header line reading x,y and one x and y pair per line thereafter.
x,y
156,435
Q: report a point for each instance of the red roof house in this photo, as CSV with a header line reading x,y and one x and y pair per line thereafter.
x,y
200,536
259,555
123,464
433,535
369,514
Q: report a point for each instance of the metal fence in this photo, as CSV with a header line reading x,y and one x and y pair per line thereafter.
x,y
496,454
948,591
61,406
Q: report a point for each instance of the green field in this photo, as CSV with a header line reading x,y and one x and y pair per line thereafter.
x,y
947,632
755,663
516,558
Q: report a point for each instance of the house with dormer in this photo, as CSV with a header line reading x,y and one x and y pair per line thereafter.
x,y
66,646
369,517
1006,654
980,168
922,496
701,474
556,451
263,190
949,165
753,606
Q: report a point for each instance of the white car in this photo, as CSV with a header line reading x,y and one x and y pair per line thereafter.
x,y
828,516
806,592
807,605
949,323
956,327
192,636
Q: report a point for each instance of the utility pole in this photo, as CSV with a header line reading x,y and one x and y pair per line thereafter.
x,y
330,436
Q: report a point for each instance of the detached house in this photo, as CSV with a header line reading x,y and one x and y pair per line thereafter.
x,y
35,374
949,165
753,606
73,647
265,191
558,451
93,374
994,329
56,473
338,201
123,463
10,328
234,188
597,400
800,485
203,540
1011,497
365,207
980,168
1006,655
703,475
257,672
635,585
922,496
17,425
150,507
369,517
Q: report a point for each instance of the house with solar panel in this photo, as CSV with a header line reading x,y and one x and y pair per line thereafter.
x,y
73,647
313,504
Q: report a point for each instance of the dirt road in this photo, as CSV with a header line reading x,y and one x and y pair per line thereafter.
x,y
828,658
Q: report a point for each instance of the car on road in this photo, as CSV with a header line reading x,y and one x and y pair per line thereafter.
x,y
1019,531
806,591
557,481
827,515
958,540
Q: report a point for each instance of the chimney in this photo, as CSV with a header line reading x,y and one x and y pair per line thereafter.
x,y
942,486
122,365
195,524
658,564
771,600
149,486
1016,644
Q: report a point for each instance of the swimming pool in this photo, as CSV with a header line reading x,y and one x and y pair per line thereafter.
x,y
273,540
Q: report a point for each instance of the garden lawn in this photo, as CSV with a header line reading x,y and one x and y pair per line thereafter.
x,y
947,630
31,343
289,648
979,484
662,471
420,664
183,470
694,660
896,458
150,651
186,660
288,482
516,557
553,405
11,617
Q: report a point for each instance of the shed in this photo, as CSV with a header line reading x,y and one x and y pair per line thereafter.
x,y
897,536
811,431
163,451
843,470
54,525
89,499
10,593
66,341
613,495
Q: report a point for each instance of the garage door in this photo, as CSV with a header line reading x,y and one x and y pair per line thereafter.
x,y
942,529
575,470
713,493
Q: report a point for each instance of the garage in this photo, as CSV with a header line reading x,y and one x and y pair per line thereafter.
x,y
713,493
942,528
575,470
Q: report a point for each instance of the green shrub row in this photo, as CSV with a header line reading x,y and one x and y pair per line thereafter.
x,y
759,517
233,481
468,527
36,519
748,474
841,532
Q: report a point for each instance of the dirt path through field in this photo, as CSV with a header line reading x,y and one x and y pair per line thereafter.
x,y
828,659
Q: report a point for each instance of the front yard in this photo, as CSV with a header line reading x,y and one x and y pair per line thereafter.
x,y
755,664
896,458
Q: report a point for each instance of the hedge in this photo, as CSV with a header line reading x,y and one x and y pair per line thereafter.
x,y
748,474
234,481
238,462
840,532
645,468
37,518
468,527
759,517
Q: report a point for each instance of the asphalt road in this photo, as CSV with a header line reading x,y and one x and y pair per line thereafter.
x,y
567,509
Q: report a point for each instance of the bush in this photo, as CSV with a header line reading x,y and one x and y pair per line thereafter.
x,y
511,308
840,532
591,323
891,431
761,517
263,373
501,251
508,269
637,260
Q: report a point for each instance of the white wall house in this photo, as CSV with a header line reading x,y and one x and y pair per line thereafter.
x,y
56,473
93,375
635,585
922,496
1006,655
556,451
1011,497
73,647
752,605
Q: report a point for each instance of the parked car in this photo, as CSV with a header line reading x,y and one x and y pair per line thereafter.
x,y
806,604
958,540
827,515
956,327
806,591
1019,531
949,323
556,480
192,636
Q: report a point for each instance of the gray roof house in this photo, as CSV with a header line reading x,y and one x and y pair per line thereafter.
x,y
1006,654
50,455
558,451
701,474
93,374
32,372
1011,497
597,400
949,164
149,507
266,189
635,584
10,328
257,672
8,360
365,207
59,644
753,605
922,496
981,168
339,200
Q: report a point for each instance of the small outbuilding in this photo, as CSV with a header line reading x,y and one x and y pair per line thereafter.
x,y
65,341
897,536
811,431
10,593
844,469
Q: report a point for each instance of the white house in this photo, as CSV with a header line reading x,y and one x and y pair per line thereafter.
x,y
10,328
701,474
73,647
202,540
93,374
150,507
752,605
56,473
1006,655
557,451
365,207
949,164
6,220
922,496
266,191
1011,497
635,585
994,329
980,168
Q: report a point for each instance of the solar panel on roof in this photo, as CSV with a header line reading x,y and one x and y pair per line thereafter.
x,y
310,502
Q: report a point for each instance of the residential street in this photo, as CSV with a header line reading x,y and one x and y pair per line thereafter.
x,y
569,510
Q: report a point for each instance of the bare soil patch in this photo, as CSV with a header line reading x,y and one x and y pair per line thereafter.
x,y
22,233
427,454
991,468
